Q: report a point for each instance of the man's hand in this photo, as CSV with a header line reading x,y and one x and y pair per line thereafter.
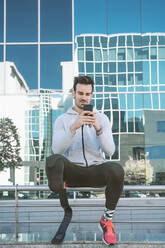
x,y
85,118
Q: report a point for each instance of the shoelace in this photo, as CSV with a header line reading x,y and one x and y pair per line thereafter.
x,y
111,226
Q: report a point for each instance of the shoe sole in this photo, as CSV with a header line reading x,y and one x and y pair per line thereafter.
x,y
99,226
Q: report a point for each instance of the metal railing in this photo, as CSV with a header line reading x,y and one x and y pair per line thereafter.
x,y
19,188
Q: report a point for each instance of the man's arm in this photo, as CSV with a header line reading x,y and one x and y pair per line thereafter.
x,y
61,137
105,135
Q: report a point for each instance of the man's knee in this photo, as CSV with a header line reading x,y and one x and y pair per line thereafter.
x,y
51,160
117,171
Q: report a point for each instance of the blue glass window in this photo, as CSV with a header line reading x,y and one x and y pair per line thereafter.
x,y
161,40
153,40
99,103
122,121
115,127
81,67
80,41
105,55
105,65
129,40
138,66
160,126
130,79
145,53
1,20
25,59
153,53
129,53
115,103
155,100
97,53
80,54
96,41
1,53
104,41
161,52
112,79
122,79
130,121
121,41
146,75
145,40
98,67
51,58
139,101
138,54
161,72
139,121
89,54
88,41
56,21
121,54
112,41
89,67
116,141
162,100
20,27
112,67
122,101
138,78
154,79
137,39
121,67
130,66
112,54
130,101
147,101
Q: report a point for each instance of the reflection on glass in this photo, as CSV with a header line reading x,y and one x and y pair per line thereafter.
x,y
56,20
161,72
162,101
1,53
130,101
154,79
161,52
51,57
25,59
130,121
1,20
139,101
80,54
146,75
89,54
20,26
139,121
97,53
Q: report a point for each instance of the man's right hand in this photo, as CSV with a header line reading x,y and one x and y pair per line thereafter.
x,y
85,118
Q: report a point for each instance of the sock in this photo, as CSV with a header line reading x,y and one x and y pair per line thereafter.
x,y
108,214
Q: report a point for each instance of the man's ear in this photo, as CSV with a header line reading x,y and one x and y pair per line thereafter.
x,y
73,93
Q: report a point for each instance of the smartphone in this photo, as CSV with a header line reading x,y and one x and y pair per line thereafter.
x,y
88,107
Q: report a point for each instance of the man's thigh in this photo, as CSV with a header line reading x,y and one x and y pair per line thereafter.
x,y
92,176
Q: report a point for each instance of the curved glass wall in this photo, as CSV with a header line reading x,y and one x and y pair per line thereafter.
x,y
129,72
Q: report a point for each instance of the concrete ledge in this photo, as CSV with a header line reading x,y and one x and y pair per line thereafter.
x,y
87,245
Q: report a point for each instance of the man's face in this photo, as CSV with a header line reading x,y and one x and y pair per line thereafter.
x,y
82,95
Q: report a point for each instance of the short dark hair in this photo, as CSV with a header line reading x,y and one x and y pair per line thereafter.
x,y
83,80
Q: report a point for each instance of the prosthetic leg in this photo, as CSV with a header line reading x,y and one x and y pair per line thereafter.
x,y
60,234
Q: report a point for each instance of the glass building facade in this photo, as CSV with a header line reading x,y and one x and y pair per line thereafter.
x,y
129,74
35,35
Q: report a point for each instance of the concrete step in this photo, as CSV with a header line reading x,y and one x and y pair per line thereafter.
x,y
86,245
